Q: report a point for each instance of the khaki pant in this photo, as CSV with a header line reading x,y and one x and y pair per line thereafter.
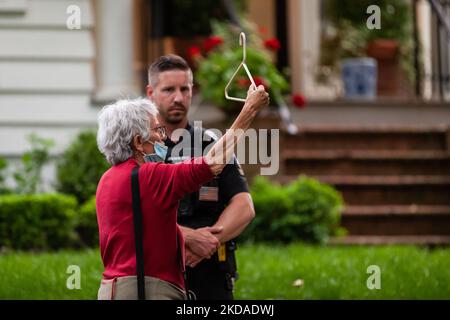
x,y
125,288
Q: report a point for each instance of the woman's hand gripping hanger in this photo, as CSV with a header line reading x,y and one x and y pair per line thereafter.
x,y
242,42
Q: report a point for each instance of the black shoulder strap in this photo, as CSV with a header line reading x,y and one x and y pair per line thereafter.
x,y
137,218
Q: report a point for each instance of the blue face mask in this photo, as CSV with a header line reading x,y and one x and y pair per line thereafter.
x,y
159,155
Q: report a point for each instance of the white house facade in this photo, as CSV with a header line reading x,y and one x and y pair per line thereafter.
x,y
55,76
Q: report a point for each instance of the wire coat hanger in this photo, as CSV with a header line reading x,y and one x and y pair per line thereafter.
x,y
242,42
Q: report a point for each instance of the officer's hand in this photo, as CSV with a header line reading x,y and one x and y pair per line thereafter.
x,y
202,241
192,259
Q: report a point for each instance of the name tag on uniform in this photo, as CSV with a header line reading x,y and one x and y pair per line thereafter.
x,y
209,194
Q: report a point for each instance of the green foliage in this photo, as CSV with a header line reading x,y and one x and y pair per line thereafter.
x,y
218,66
266,272
43,275
395,16
3,166
86,224
37,221
304,210
28,175
81,167
349,17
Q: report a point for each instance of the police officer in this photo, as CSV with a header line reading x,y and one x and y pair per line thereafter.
x,y
212,218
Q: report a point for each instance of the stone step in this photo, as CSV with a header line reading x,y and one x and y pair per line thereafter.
x,y
369,138
388,190
428,240
366,162
397,220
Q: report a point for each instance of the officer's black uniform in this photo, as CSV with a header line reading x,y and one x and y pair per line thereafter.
x,y
211,278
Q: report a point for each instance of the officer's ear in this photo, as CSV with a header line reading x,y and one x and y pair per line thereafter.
x,y
149,91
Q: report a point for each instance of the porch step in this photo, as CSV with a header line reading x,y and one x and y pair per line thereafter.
x,y
393,210
392,190
395,180
394,220
366,162
369,138
390,240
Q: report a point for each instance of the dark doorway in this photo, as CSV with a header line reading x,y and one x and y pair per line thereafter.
x,y
281,26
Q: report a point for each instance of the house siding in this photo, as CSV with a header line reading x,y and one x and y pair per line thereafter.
x,y
46,76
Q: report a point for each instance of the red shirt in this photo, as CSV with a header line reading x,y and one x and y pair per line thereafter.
x,y
161,187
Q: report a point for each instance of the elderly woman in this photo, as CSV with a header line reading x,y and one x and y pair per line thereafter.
x,y
129,135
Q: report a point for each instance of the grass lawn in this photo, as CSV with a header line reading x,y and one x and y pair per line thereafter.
x,y
266,272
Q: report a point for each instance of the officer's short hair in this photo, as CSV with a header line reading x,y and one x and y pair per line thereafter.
x,y
167,63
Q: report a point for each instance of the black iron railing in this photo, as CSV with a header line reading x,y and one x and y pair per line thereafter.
x,y
441,11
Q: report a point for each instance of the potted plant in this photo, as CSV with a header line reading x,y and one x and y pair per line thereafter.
x,y
221,55
347,36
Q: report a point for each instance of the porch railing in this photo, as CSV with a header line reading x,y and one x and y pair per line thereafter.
x,y
441,12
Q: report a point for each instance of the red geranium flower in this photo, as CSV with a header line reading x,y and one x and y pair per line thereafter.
x,y
299,101
194,52
212,42
272,44
260,81
243,82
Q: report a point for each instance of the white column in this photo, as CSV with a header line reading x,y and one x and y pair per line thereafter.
x,y
114,31
304,40
295,47
310,43
424,25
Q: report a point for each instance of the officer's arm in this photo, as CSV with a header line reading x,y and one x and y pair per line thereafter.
x,y
202,242
236,216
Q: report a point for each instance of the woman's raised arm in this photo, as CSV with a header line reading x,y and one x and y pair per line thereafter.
x,y
222,151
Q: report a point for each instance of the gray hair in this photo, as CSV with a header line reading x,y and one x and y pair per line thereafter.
x,y
119,123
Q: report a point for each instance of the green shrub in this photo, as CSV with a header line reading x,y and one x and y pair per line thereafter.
x,y
81,167
37,221
86,224
319,207
304,210
28,175
3,166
